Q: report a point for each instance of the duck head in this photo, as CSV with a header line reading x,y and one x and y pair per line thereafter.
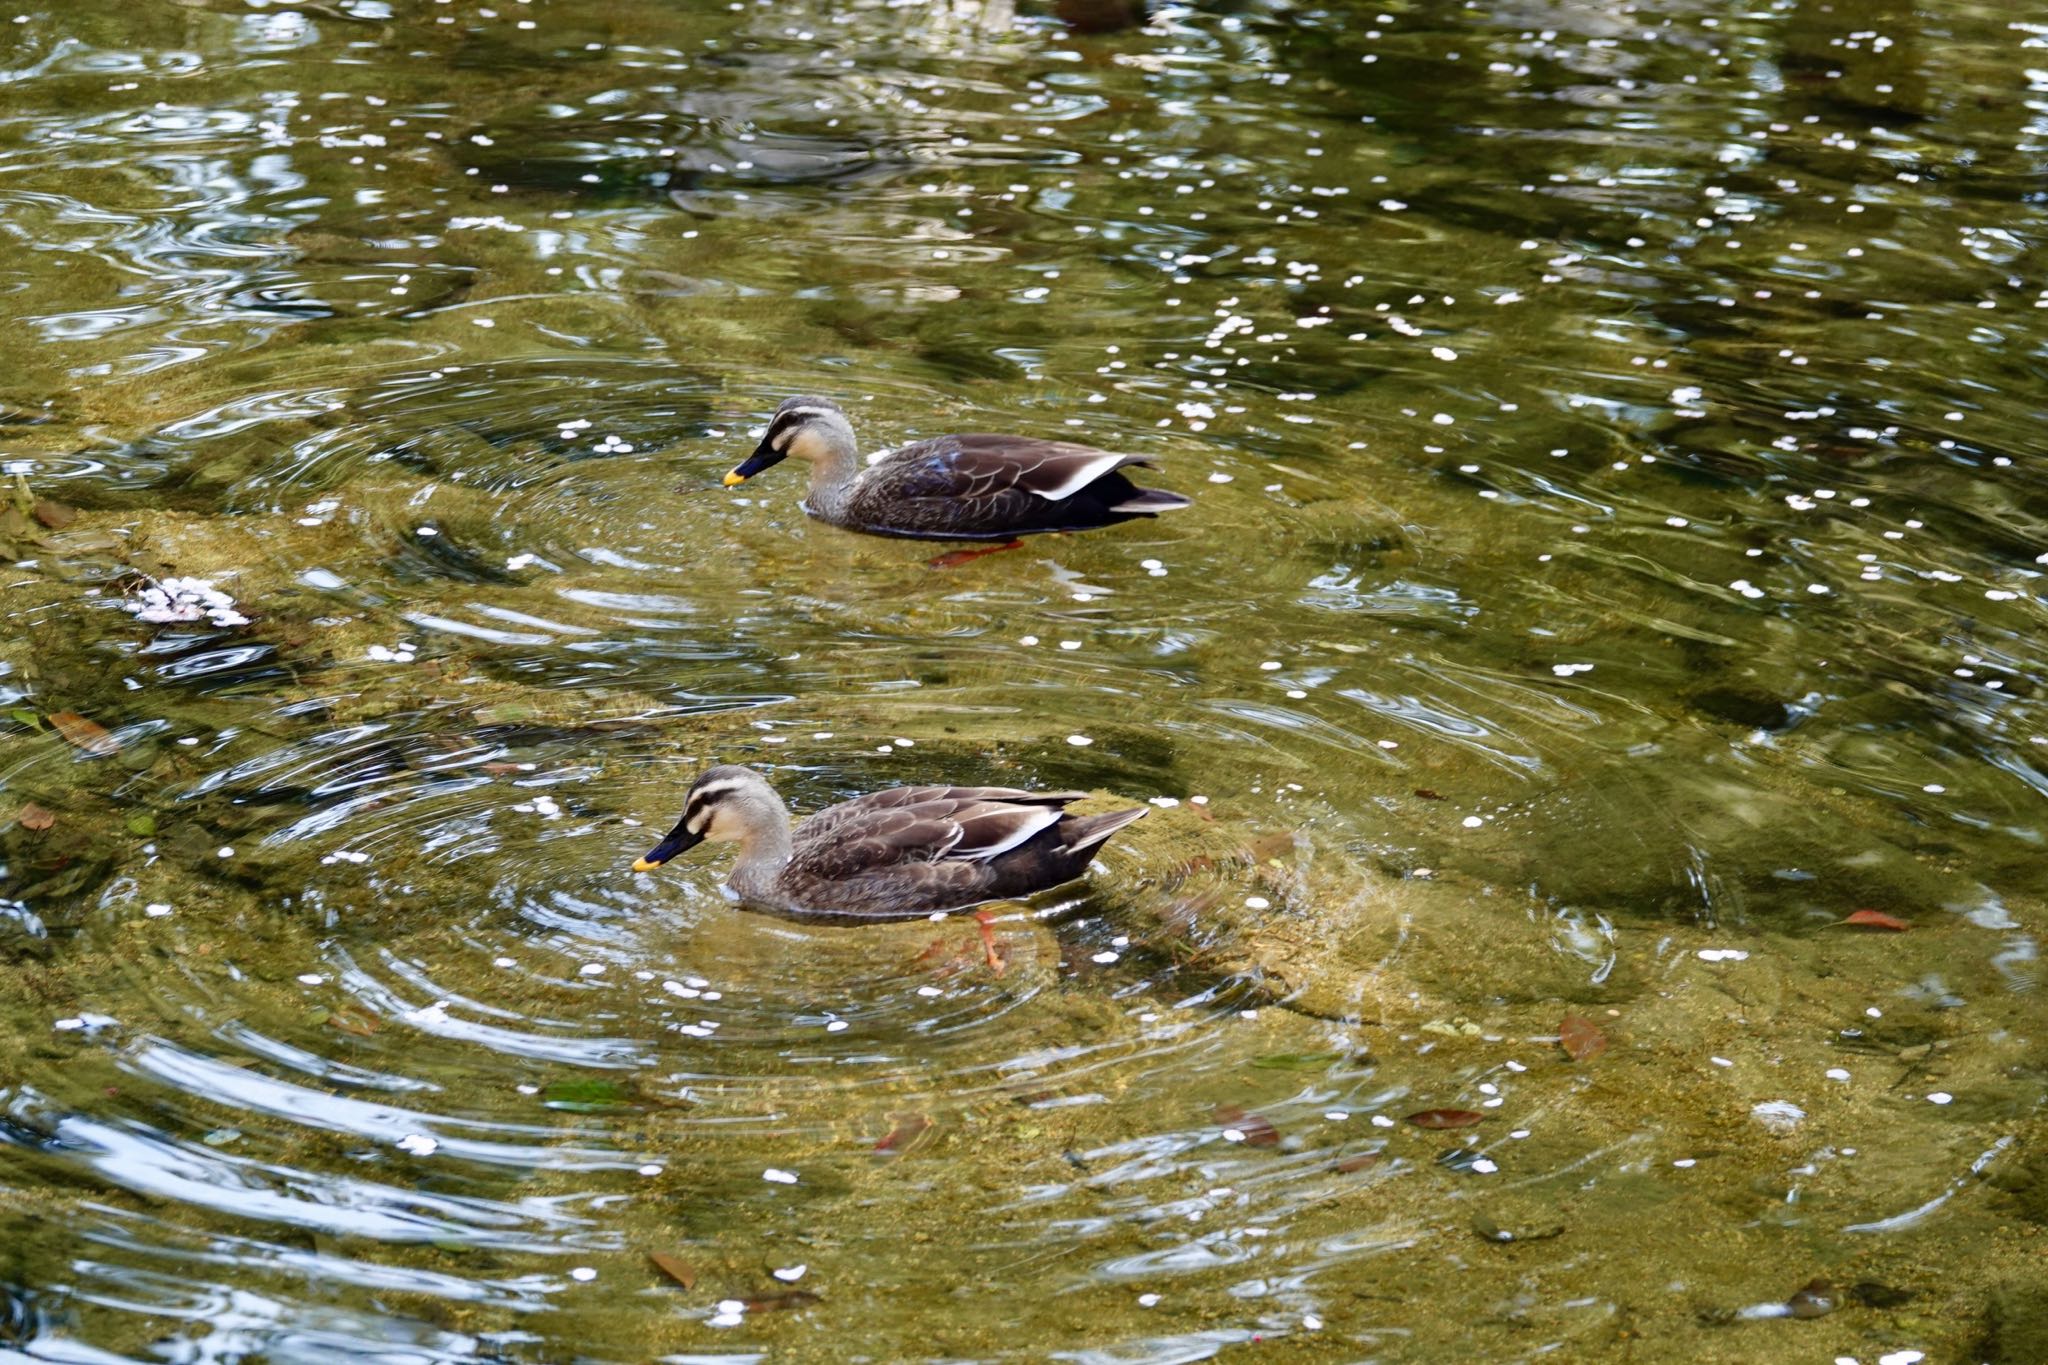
x,y
725,804
812,429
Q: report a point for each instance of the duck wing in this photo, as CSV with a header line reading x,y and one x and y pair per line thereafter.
x,y
921,825
976,486
982,464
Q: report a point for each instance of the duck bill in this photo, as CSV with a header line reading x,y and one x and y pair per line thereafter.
x,y
679,841
763,457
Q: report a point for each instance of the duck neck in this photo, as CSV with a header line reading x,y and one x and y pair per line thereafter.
x,y
832,476
764,852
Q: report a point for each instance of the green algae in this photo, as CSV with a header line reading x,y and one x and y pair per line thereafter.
x,y
318,895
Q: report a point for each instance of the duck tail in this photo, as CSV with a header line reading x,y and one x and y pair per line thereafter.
x,y
1150,501
1082,834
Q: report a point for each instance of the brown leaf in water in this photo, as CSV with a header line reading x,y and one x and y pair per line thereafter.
x,y
773,1303
1267,847
1814,1299
54,515
499,769
34,817
1363,1162
1256,1130
675,1267
1429,793
1871,1294
1581,1038
1876,919
1446,1118
83,735
352,1020
908,1129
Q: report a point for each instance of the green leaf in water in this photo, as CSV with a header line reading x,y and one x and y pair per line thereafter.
x,y
1298,1061
23,716
582,1097
142,824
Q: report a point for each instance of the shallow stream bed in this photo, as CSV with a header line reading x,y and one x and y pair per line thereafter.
x,y
1592,708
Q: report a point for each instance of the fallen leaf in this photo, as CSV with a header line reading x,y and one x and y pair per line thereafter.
x,y
675,1267
908,1129
499,769
1446,1118
351,1020
1364,1162
34,817
1429,793
1868,919
1580,1038
795,1298
1268,847
54,515
84,735
1297,1061
1814,1299
585,1096
1254,1130
142,824
1871,1294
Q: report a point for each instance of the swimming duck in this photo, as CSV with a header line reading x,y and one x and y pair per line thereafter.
x,y
975,487
895,854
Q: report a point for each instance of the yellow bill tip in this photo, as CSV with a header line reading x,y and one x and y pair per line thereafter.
x,y
642,865
735,479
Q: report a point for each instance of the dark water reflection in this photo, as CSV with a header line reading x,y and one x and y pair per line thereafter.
x,y
1617,559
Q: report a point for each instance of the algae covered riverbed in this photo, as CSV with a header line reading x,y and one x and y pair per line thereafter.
x,y
1591,710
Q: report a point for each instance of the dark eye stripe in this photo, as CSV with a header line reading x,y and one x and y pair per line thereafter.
x,y
789,419
704,797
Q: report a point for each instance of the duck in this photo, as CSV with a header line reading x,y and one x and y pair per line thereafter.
x,y
903,853
969,487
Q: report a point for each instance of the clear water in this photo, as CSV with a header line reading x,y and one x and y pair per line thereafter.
x,y
1617,558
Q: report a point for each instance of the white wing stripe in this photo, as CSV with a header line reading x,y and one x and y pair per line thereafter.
x,y
1084,473
1029,823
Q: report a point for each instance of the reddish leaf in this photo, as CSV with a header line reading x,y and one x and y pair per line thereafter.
x,y
352,1020
34,817
499,769
1429,793
83,734
1269,847
1357,1163
675,1267
54,515
1862,919
909,1128
1254,1130
1581,1039
1445,1118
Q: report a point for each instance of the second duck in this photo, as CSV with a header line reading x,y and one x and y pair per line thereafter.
x,y
893,854
973,487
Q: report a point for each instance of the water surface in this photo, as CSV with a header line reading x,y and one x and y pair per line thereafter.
x,y
1616,560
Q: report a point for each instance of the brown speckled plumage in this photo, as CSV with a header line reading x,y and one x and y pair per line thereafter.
x,y
893,854
969,487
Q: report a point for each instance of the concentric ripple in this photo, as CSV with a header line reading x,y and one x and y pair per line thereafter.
x,y
1589,717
